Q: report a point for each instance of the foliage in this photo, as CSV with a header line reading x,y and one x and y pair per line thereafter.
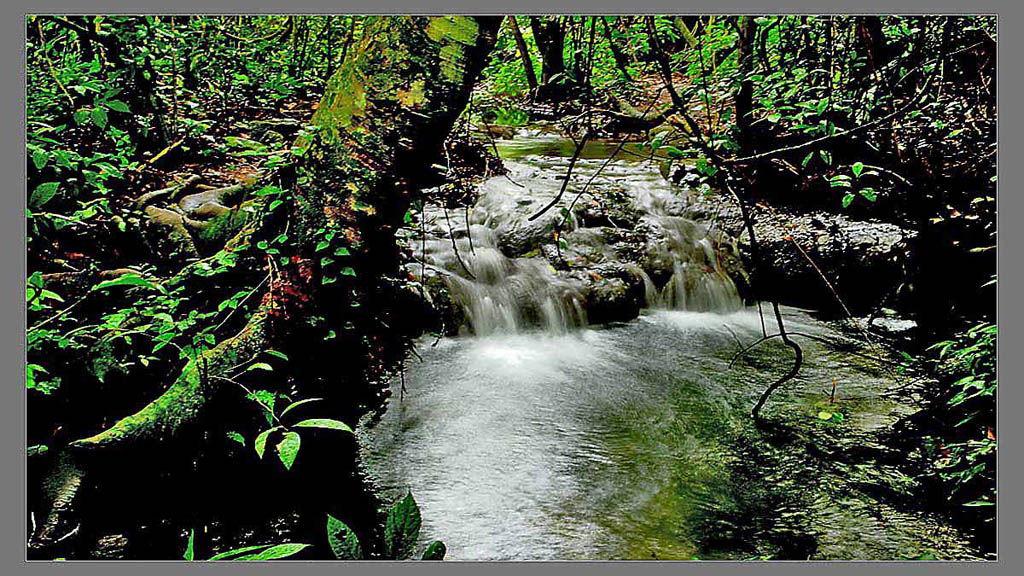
x,y
966,442
400,535
401,530
257,553
122,105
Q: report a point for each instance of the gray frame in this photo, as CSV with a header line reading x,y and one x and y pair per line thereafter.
x,y
13,317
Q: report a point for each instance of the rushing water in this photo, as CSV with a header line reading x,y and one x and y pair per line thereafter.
x,y
634,440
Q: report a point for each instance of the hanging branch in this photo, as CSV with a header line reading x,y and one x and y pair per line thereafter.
x,y
721,175
568,176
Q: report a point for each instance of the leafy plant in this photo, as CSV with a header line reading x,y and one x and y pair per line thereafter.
x,y
967,449
401,531
259,552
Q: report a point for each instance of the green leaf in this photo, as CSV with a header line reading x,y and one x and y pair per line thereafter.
x,y
848,199
39,158
343,541
288,448
824,415
237,551
435,551
857,168
674,152
42,194
37,450
280,355
348,271
260,366
261,440
118,106
236,437
294,405
126,280
275,552
807,159
99,117
190,552
323,423
401,529
269,191
869,194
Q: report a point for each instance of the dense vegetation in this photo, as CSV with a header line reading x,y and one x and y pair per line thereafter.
x,y
213,199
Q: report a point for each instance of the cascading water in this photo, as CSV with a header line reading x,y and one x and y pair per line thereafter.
x,y
499,265
630,440
500,294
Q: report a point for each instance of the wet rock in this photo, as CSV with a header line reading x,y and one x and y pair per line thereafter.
x,y
894,326
803,254
613,292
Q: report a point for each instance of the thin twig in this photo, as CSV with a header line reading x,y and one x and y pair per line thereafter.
x,y
455,245
568,176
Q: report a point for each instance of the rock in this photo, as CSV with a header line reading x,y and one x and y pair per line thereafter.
x,y
894,326
862,260
614,292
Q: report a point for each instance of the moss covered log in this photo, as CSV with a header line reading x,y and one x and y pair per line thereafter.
x,y
379,127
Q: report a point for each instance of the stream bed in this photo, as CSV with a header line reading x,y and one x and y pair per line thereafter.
x,y
556,439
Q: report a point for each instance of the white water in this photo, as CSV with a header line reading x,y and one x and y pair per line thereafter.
x,y
634,440
501,293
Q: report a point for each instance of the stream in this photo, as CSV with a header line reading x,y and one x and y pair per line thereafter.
x,y
539,434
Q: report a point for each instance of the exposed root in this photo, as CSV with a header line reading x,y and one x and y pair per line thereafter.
x,y
196,213
168,193
162,419
181,404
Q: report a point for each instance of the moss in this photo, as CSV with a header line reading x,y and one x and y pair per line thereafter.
x,y
455,33
228,224
182,402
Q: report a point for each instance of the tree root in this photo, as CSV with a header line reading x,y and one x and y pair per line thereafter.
x,y
168,193
197,213
182,403
174,411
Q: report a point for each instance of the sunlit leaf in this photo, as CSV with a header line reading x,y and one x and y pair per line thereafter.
x,y
288,448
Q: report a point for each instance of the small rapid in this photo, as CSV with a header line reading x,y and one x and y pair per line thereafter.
x,y
540,434
506,262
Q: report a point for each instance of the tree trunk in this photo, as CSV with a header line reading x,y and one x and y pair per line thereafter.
x,y
872,42
380,125
524,54
745,95
550,41
621,61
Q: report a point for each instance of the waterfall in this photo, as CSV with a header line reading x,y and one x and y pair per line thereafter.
x,y
500,294
497,261
698,282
